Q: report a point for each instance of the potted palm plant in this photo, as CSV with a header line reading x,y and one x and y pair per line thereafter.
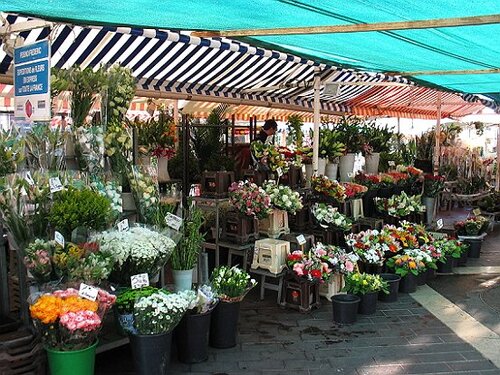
x,y
185,255
349,129
377,140
331,149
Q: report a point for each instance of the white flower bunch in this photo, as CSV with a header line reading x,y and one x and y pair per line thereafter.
x,y
139,248
159,312
419,255
145,189
231,283
328,216
283,197
201,301
90,147
112,191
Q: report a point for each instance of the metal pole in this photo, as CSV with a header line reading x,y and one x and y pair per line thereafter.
x,y
317,86
185,159
437,148
233,127
251,129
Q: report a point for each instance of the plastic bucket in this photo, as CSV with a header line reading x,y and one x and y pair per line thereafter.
x,y
191,337
345,308
151,353
74,362
393,281
224,325
368,303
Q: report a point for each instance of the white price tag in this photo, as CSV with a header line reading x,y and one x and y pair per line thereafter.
x,y
59,238
391,163
279,171
439,223
123,225
88,292
139,281
350,174
301,240
173,221
29,179
476,211
23,192
55,184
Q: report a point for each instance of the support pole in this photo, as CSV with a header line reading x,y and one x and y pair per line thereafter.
x,y
497,184
317,86
437,148
185,157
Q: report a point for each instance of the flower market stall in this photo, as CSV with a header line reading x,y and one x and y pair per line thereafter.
x,y
144,232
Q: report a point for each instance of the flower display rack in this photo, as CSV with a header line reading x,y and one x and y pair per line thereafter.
x,y
270,254
275,225
332,287
299,293
216,184
293,178
21,352
257,177
370,223
300,221
240,229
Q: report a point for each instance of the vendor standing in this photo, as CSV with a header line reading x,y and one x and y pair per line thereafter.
x,y
267,132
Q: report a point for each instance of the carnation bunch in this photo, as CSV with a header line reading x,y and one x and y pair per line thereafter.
x,y
312,265
339,259
354,191
328,216
472,226
403,264
249,199
371,245
283,197
371,181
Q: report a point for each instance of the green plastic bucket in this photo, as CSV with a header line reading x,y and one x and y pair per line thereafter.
x,y
75,362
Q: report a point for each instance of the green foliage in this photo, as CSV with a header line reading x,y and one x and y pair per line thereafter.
x,y
127,297
79,208
330,146
378,138
157,133
177,164
185,255
44,148
295,133
84,85
11,152
385,157
350,132
425,145
208,142
471,185
364,283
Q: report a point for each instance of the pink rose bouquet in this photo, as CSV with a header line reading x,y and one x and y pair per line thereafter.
x,y
249,199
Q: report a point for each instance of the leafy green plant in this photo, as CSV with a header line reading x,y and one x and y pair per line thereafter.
x,y
364,283
127,297
11,152
74,208
350,132
377,138
84,85
185,254
295,133
425,145
119,90
208,142
330,146
44,148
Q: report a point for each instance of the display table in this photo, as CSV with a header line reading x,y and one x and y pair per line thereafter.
x,y
269,286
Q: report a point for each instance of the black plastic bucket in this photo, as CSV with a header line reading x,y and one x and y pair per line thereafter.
x,y
408,283
446,267
224,325
191,337
422,278
151,353
345,308
368,303
393,281
474,248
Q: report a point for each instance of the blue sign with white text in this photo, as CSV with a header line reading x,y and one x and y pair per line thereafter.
x,y
32,52
32,79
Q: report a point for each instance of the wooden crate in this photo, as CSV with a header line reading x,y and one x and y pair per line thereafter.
x,y
257,177
293,178
270,254
240,229
332,287
216,184
275,225
301,220
299,293
21,352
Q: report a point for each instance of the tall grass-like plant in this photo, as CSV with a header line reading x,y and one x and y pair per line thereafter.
x,y
185,255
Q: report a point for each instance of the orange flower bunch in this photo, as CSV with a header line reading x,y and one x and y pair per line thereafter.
x,y
48,308
405,264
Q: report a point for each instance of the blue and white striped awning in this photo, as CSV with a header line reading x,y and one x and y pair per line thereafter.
x,y
176,64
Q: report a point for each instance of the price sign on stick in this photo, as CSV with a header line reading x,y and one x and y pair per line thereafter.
x,y
301,240
439,224
173,221
55,184
123,225
476,212
391,163
88,292
139,281
279,171
59,238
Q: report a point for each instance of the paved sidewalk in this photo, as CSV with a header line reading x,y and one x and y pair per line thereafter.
x,y
401,338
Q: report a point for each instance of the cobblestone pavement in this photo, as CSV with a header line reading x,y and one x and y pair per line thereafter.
x,y
401,338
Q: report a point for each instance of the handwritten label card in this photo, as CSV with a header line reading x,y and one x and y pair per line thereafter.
x,y
173,221
55,184
59,238
301,240
88,292
139,281
439,224
123,225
